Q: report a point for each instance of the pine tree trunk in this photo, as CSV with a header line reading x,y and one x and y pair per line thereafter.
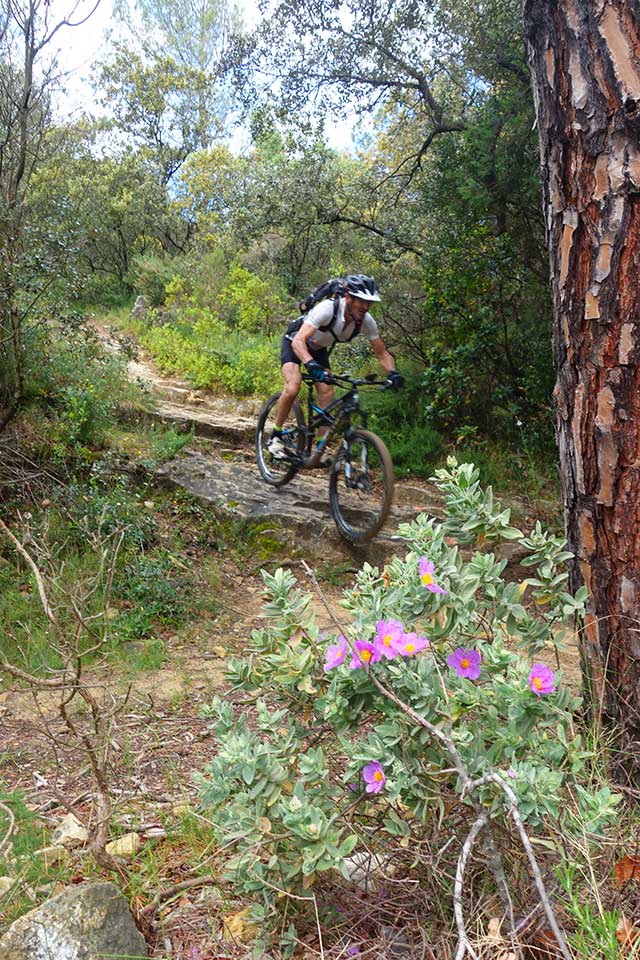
x,y
585,67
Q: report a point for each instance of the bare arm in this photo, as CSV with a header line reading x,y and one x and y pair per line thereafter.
x,y
299,342
386,360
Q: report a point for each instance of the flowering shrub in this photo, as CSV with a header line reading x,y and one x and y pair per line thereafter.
x,y
419,709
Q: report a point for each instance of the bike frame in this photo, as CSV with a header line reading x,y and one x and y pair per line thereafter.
x,y
344,407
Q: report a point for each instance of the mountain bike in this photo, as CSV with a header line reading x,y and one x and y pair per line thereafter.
x,y
361,471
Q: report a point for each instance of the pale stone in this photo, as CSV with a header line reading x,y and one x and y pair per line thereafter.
x,y
69,833
139,307
368,871
125,846
238,927
5,885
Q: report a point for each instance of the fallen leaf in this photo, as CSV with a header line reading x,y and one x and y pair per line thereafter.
x,y
626,933
238,927
295,638
544,945
627,869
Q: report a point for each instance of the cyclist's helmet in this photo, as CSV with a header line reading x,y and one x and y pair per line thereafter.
x,y
365,288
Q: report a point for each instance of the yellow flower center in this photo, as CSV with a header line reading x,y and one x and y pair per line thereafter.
x,y
409,647
365,655
537,682
387,640
464,663
427,579
378,777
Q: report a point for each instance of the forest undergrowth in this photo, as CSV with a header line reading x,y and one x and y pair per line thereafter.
x,y
283,803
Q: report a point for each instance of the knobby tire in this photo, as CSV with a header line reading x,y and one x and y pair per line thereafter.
x,y
277,472
359,526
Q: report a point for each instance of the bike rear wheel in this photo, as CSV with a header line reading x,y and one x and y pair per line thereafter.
x,y
279,472
361,486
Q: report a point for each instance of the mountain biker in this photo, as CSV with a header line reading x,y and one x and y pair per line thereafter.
x,y
309,340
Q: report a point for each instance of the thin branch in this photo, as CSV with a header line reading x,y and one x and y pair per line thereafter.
x,y
34,569
10,828
162,896
463,941
535,869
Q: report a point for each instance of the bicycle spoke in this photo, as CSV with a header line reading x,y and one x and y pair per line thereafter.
x,y
276,471
361,487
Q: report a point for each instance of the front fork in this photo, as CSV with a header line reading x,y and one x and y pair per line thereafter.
x,y
346,463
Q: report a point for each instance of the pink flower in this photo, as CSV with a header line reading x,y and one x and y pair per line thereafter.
x,y
389,633
426,575
541,679
336,654
411,643
367,653
374,777
466,663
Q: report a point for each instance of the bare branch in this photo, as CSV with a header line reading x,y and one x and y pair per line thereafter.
x,y
10,828
34,569
463,942
535,869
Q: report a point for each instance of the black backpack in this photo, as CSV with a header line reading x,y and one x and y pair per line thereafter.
x,y
329,290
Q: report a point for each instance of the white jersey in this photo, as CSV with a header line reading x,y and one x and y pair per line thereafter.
x,y
321,316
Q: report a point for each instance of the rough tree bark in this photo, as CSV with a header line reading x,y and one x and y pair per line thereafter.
x,y
585,67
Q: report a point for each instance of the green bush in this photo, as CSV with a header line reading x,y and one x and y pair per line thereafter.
x,y
400,419
150,273
250,302
102,505
212,356
155,591
79,383
104,289
166,444
421,722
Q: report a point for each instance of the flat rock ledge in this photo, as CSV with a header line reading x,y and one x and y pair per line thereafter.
x,y
89,921
301,507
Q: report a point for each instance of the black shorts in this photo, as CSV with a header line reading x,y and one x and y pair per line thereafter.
x,y
288,356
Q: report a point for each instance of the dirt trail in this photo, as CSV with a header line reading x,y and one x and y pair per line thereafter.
x,y
221,469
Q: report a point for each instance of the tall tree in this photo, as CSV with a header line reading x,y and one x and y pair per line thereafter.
x,y
185,44
585,66
197,34
29,252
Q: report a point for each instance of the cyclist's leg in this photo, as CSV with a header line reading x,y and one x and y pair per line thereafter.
x,y
291,389
325,391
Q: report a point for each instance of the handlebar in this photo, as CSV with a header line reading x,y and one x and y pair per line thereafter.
x,y
337,379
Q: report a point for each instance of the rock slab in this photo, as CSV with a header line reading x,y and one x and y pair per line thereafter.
x,y
89,921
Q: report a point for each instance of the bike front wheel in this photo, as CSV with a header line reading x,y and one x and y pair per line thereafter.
x,y
278,472
361,486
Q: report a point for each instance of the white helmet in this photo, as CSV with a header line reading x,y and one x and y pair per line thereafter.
x,y
362,287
